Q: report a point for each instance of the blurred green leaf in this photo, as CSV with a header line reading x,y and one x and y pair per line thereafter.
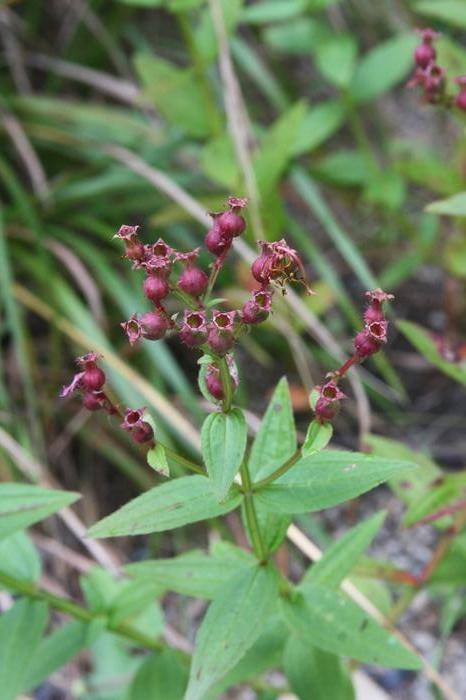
x,y
336,58
454,254
341,556
272,11
426,345
175,92
318,124
298,36
383,67
19,557
21,629
22,505
449,11
452,206
318,436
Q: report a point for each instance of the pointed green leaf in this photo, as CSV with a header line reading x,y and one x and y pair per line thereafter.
x,y
19,557
173,504
341,557
157,459
317,125
21,629
276,440
231,626
223,439
422,340
162,675
314,673
333,623
276,150
383,67
317,437
175,93
326,479
56,650
450,11
22,505
194,573
336,57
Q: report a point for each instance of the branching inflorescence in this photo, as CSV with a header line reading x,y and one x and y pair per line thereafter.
x,y
174,280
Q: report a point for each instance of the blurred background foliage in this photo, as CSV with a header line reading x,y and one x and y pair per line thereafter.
x,y
152,112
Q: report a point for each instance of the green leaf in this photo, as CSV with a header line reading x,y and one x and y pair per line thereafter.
x,y
205,34
317,125
341,557
272,11
454,254
297,36
422,340
451,206
22,505
336,58
450,11
223,439
157,459
344,167
21,629
276,440
56,650
231,626
194,573
317,437
173,504
383,67
314,673
276,149
326,479
162,675
19,557
175,92
449,490
333,623
266,653
218,162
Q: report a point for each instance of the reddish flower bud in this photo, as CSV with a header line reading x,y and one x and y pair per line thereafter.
x,y
365,343
193,281
215,242
134,249
460,100
94,378
230,224
214,383
279,263
328,403
133,422
95,400
424,54
220,341
258,308
156,288
154,325
132,328
193,330
374,311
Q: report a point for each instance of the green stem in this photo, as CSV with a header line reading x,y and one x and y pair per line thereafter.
x,y
76,611
286,466
226,384
257,542
183,461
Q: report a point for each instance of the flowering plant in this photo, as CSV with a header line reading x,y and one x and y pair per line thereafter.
x,y
270,478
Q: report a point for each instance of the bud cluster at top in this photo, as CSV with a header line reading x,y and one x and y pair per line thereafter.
x,y
431,77
175,276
